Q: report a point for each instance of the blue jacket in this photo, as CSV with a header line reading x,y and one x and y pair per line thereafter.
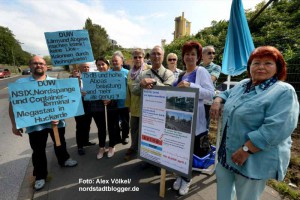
x,y
266,117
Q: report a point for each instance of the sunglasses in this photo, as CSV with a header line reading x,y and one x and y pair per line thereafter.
x,y
209,53
172,59
136,57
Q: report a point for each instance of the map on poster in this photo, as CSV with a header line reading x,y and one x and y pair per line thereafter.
x,y
69,47
104,85
167,127
38,102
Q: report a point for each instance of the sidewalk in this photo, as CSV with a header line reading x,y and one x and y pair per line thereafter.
x,y
64,183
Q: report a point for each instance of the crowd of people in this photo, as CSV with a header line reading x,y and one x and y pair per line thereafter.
x,y
260,114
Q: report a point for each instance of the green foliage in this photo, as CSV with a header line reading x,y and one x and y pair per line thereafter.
x,y
278,25
7,42
284,189
10,49
98,37
48,60
215,35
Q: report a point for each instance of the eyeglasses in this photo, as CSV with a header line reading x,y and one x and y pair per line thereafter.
x,y
172,59
209,53
38,63
136,57
158,54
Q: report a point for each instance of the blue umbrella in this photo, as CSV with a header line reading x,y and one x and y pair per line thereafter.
x,y
239,43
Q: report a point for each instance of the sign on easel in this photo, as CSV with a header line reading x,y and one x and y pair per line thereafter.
x,y
167,128
69,47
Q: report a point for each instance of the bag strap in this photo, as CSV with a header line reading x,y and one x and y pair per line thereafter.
x,y
156,74
180,77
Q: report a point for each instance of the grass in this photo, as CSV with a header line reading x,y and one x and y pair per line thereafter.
x,y
284,189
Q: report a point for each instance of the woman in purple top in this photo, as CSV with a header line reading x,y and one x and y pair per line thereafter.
x,y
194,77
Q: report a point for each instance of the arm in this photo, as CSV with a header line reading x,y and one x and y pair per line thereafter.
x,y
213,78
128,93
142,81
216,71
136,88
215,109
15,131
204,84
240,156
280,120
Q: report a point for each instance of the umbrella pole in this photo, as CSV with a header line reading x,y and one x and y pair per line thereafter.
x,y
228,82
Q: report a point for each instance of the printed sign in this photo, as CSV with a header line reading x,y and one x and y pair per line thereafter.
x,y
167,128
69,47
38,102
104,85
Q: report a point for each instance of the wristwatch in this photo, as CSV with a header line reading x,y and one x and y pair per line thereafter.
x,y
246,149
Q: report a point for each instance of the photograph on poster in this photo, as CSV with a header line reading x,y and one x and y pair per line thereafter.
x,y
180,103
179,121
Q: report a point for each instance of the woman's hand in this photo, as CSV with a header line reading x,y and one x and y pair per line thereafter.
x,y
16,131
106,102
55,122
83,93
239,157
215,109
184,84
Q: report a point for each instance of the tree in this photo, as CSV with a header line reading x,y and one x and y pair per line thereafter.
x,y
215,35
7,46
278,25
10,49
99,38
48,60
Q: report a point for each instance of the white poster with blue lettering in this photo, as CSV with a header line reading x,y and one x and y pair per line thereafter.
x,y
38,102
69,47
104,85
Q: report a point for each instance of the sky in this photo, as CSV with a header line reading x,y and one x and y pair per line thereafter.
x,y
132,23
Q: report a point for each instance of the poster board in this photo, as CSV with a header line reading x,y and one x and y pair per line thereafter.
x,y
167,128
69,47
38,102
104,85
